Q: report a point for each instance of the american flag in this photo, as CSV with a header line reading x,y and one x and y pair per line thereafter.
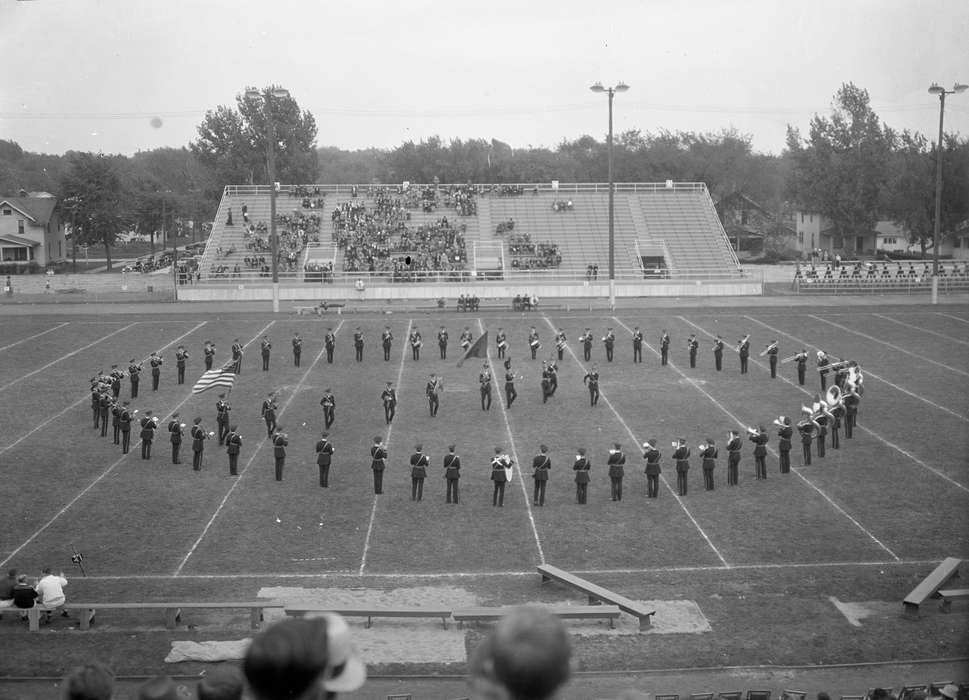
x,y
225,376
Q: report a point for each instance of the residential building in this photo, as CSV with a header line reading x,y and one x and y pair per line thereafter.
x,y
31,230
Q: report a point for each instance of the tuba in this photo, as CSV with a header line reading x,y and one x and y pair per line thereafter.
x,y
833,396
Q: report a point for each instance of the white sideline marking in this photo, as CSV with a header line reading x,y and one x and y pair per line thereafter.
x,y
875,435
347,573
390,429
35,335
70,354
921,329
957,318
891,345
638,442
794,469
511,438
60,413
102,475
262,441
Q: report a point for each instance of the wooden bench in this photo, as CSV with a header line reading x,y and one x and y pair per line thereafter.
x,y
571,612
930,585
949,594
33,616
173,610
598,594
369,613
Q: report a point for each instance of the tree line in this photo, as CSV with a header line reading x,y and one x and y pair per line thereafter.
x,y
849,166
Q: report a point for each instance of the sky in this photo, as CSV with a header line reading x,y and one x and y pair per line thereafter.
x,y
91,75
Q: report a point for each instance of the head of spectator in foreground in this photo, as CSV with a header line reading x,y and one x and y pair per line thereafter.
x,y
159,688
526,657
304,659
223,683
91,682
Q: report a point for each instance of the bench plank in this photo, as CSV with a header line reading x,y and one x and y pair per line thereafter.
x,y
577,612
931,584
369,612
598,594
173,610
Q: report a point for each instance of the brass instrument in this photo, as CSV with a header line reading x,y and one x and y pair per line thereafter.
x,y
768,349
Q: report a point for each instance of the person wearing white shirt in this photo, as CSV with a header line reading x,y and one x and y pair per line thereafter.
x,y
50,592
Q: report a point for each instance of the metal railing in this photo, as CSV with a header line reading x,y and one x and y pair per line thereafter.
x,y
491,189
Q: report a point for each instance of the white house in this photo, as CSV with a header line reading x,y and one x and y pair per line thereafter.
x,y
31,230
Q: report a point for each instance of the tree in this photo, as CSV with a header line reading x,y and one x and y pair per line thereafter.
x,y
910,197
232,142
93,182
841,170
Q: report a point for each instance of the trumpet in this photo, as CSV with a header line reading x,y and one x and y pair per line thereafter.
x,y
752,431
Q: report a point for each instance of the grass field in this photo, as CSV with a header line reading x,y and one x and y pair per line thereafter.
x,y
761,559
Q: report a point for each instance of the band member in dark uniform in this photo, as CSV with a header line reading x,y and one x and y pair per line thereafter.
x,y
591,378
280,441
452,474
771,351
116,376
510,393
581,467
823,419
466,338
181,355
541,465
208,352
324,457
297,349
616,464
609,341
237,356
389,398
199,436
823,362
265,348
553,377
758,436
148,426
533,342
175,432
681,458
134,372
836,411
328,402
664,348
807,428
329,342
586,340
124,421
358,344
484,387
268,413
442,342
433,391
560,342
499,463
501,343
104,409
784,434
156,362
637,345
546,382
116,421
734,443
222,417
418,472
718,353
653,468
387,340
416,341
851,401
694,345
709,456
378,462
233,445
801,360
743,348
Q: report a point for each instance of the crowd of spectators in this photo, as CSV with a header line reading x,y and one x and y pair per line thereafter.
x,y
526,255
872,272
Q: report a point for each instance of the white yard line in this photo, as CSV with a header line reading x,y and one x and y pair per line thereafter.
x,y
101,476
957,318
875,435
514,452
637,442
86,397
35,335
238,480
873,339
64,357
390,428
921,329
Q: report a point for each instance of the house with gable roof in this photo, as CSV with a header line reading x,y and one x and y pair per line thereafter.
x,y
31,230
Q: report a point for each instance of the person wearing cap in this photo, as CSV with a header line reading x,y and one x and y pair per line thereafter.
x,y
148,426
208,351
433,392
378,462
389,397
199,436
499,463
709,456
387,340
297,349
616,463
591,379
156,362
784,434
442,337
224,682
134,376
418,472
222,409
304,659
527,655
734,443
949,691
452,474
265,348
484,387
664,348
268,413
653,469
181,355
175,432
280,441
124,422
233,442
637,345
759,438
681,457
582,466
510,393
324,457
541,464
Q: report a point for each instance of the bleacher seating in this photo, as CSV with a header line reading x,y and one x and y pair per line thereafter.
x,y
879,276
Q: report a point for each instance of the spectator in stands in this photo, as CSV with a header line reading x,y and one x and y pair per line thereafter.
x,y
50,593
159,688
526,657
223,683
6,589
91,682
294,658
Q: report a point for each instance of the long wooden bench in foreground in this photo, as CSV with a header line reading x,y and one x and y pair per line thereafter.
x,y
571,612
598,594
930,585
299,610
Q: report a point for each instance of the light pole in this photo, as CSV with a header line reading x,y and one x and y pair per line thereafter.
x,y
611,91
935,89
280,94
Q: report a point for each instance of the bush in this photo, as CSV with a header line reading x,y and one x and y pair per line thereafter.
x,y
31,268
